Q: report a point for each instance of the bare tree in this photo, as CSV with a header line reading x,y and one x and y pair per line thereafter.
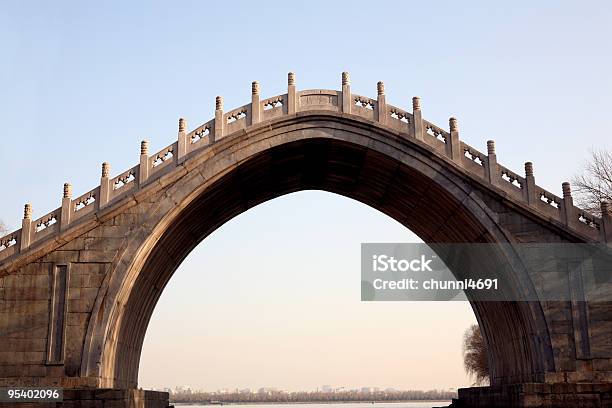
x,y
475,358
594,185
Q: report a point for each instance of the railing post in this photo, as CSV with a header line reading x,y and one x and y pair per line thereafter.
x,y
530,185
291,94
182,141
492,162
347,99
455,143
104,185
143,168
381,103
606,221
417,118
255,106
219,125
26,227
66,210
568,204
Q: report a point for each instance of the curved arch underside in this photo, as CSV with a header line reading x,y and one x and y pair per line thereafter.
x,y
429,202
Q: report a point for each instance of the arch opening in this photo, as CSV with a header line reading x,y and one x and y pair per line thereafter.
x,y
271,298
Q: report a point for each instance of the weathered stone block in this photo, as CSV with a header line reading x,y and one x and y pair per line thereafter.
x,y
24,294
562,327
36,268
74,294
104,244
602,364
59,256
27,281
77,319
78,268
602,376
75,244
36,370
109,231
13,345
579,376
96,256
80,305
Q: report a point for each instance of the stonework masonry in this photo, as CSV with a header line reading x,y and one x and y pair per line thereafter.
x,y
79,284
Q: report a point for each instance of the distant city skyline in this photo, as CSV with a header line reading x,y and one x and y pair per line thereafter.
x,y
184,394
322,388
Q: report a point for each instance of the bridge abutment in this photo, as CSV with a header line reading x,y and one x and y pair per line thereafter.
x,y
536,395
102,398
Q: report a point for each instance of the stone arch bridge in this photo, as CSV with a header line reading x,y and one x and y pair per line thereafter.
x,y
79,284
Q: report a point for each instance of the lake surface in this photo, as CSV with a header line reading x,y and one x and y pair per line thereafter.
x,y
420,404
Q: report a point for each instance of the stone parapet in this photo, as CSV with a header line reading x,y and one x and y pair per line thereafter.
x,y
408,126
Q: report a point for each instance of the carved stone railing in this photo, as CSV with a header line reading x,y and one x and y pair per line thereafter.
x,y
409,126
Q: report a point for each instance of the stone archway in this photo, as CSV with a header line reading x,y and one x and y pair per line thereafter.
x,y
421,195
88,274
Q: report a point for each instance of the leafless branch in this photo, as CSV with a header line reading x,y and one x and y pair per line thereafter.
x,y
594,185
475,358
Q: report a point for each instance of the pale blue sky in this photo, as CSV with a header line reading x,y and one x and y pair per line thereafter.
x,y
82,83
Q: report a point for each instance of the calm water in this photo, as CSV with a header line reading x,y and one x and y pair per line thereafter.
x,y
428,404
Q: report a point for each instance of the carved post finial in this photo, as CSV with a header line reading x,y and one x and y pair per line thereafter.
x,y
218,132
380,109
606,208
66,213
143,169
292,100
105,169
490,147
454,143
493,175
346,78
567,189
347,102
105,186
26,227
569,213
528,169
529,189
181,150
417,118
67,190
144,146
27,212
255,116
